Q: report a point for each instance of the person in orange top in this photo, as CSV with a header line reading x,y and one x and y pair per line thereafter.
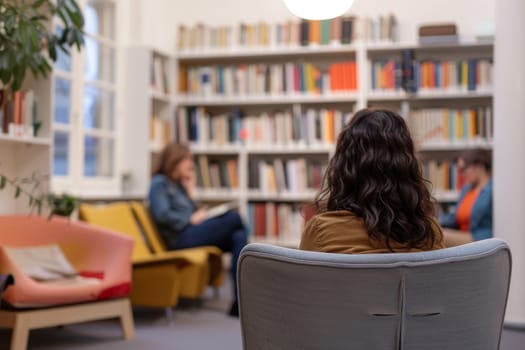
x,y
374,198
472,218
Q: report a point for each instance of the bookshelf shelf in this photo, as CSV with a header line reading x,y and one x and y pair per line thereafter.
x,y
265,52
306,196
387,96
39,141
217,194
350,97
237,149
160,96
454,146
320,149
437,94
428,95
461,46
215,149
155,148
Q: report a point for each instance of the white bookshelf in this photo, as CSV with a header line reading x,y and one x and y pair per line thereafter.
x,y
24,156
347,101
145,107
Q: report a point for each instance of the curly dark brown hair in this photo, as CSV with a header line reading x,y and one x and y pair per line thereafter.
x,y
375,174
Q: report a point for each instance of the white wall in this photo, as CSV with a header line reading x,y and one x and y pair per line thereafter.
x,y
509,169
160,18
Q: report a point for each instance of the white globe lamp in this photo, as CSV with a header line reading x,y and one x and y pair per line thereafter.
x,y
318,9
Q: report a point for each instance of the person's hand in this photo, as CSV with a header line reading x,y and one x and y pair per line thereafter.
x,y
189,181
198,216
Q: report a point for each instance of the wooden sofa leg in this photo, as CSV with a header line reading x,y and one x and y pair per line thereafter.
x,y
20,333
126,321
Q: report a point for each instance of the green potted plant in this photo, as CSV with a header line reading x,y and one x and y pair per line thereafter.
x,y
30,44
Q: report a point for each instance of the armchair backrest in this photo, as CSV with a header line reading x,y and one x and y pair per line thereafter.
x,y
452,298
150,229
118,217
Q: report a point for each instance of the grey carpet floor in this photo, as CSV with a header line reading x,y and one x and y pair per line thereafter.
x,y
194,327
206,326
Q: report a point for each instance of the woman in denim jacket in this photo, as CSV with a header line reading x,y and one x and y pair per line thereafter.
x,y
471,220
181,222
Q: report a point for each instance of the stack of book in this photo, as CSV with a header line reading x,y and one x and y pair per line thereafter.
x,y
17,113
432,34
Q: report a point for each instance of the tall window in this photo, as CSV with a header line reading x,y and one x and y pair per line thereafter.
x,y
84,106
99,90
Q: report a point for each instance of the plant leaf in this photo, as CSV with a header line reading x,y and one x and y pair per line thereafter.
x,y
2,182
18,190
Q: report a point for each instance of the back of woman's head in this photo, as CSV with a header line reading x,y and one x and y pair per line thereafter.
x,y
171,156
375,174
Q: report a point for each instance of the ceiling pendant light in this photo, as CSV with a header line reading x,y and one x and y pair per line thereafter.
x,y
318,9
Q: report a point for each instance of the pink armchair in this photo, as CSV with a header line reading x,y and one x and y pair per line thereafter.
x,y
91,250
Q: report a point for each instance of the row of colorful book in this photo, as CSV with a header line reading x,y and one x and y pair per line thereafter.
x,y
260,79
448,125
314,127
285,176
443,175
337,31
217,173
465,75
18,113
278,221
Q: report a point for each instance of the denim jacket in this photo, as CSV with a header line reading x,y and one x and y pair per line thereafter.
x,y
481,217
170,206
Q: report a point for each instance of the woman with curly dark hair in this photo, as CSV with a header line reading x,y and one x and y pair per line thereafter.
x,y
374,198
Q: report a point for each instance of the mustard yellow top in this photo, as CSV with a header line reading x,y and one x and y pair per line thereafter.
x,y
344,232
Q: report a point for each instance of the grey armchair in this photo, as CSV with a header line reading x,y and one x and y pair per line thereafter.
x,y
453,298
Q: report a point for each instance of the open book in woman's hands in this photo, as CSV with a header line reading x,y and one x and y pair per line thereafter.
x,y
220,209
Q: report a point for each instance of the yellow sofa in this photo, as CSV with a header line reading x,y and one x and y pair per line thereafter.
x,y
158,279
